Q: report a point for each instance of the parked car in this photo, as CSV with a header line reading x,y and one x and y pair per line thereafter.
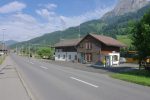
x,y
122,60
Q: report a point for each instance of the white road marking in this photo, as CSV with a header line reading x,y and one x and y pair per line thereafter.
x,y
43,67
84,82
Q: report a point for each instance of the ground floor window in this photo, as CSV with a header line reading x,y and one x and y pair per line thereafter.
x,y
58,56
64,56
115,58
69,56
88,57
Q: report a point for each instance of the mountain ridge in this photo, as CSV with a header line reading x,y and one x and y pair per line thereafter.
x,y
126,6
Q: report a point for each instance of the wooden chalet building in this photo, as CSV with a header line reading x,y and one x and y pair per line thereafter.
x,y
98,48
90,49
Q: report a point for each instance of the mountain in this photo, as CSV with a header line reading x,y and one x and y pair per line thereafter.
x,y
126,6
10,42
110,26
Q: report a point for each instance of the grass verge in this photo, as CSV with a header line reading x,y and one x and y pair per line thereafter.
x,y
141,77
2,59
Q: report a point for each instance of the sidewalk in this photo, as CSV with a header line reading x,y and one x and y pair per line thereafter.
x,y
11,87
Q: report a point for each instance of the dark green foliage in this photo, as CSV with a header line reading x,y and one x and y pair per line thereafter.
x,y
141,36
45,52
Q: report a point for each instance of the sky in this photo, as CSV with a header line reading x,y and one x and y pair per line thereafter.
x,y
22,20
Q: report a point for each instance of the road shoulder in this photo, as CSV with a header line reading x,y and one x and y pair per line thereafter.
x,y
11,86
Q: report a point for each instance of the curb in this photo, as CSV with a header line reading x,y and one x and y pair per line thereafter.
x,y
31,97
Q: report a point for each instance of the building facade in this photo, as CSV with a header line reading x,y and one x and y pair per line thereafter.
x,y
66,50
99,49
64,54
90,49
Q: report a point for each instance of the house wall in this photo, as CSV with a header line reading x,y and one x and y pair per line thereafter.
x,y
69,56
95,50
108,49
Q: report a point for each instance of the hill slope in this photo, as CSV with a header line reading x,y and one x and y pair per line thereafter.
x,y
10,42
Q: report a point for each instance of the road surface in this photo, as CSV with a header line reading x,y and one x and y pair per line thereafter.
x,y
52,82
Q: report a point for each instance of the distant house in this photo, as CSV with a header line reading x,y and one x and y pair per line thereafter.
x,y
99,49
66,50
90,49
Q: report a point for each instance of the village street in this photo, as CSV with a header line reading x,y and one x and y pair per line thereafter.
x,y
53,82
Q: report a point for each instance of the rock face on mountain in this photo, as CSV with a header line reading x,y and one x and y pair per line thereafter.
x,y
126,6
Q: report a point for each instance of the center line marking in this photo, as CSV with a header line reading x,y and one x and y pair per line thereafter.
x,y
84,82
43,67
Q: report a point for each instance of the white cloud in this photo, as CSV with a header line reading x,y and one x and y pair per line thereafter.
x,y
65,22
21,26
51,6
12,7
45,13
76,20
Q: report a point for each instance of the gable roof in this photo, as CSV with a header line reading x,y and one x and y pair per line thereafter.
x,y
104,39
67,43
107,40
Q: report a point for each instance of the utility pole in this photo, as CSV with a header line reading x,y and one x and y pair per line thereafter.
x,y
79,36
3,44
29,50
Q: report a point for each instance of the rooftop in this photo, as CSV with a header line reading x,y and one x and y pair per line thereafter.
x,y
66,43
104,39
108,40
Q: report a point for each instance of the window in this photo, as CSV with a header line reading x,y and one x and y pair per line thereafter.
x,y
58,50
58,56
115,58
88,45
88,57
64,56
69,56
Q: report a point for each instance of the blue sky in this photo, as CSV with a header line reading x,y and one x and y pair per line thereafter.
x,y
26,19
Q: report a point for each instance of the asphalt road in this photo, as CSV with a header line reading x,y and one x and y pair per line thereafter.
x,y
52,82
